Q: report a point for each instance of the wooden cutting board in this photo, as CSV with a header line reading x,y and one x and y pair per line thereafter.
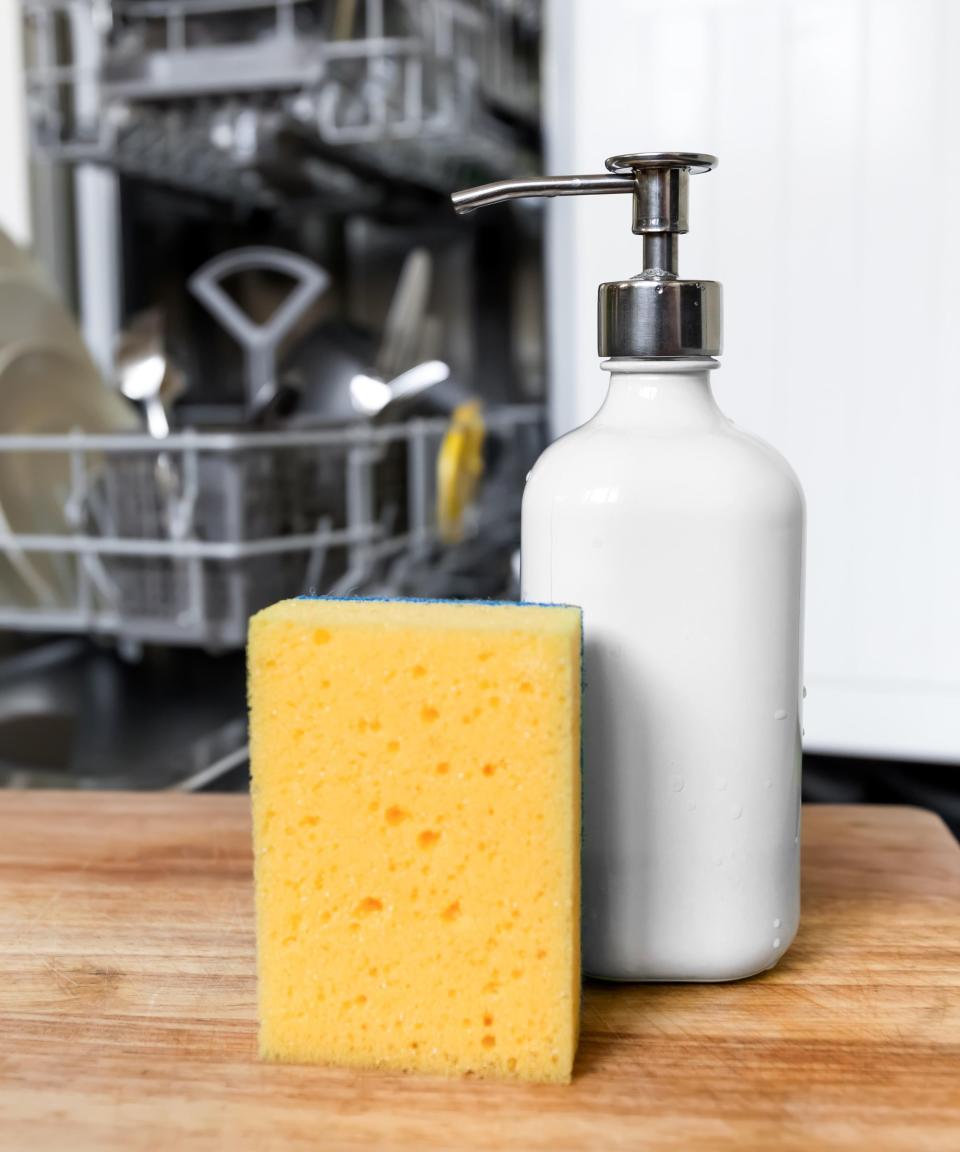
x,y
127,1007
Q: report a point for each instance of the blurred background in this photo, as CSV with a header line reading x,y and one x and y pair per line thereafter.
x,y
247,350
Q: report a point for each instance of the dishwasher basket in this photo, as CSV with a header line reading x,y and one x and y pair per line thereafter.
x,y
179,541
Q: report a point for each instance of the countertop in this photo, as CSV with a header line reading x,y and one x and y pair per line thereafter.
x,y
127,1007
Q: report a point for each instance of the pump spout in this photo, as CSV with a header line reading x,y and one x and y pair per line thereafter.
x,y
486,194
656,314
656,180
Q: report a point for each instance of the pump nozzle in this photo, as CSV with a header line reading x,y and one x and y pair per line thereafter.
x,y
656,180
470,199
655,314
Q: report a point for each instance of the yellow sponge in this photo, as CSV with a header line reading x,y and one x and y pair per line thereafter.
x,y
416,803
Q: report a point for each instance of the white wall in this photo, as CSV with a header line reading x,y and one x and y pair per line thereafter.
x,y
14,182
831,224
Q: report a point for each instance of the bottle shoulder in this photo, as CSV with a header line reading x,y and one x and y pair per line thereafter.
x,y
768,461
719,465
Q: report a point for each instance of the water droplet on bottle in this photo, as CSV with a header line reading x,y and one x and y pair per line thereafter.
x,y
780,714
804,691
768,783
776,922
736,812
776,942
691,807
722,784
676,783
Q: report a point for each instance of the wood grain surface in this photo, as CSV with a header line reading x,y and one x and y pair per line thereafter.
x,y
127,1007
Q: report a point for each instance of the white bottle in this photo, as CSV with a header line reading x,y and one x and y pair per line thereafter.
x,y
681,537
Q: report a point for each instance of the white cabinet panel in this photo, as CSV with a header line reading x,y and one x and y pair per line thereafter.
x,y
831,223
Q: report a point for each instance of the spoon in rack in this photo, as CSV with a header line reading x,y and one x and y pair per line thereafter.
x,y
142,369
145,376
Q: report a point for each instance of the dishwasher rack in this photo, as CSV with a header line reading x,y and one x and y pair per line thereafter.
x,y
220,95
179,541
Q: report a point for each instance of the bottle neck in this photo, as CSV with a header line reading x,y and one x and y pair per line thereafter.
x,y
660,395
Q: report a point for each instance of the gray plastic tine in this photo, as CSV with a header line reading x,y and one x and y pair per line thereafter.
x,y
259,341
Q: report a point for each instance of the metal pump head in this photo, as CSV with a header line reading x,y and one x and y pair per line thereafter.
x,y
655,314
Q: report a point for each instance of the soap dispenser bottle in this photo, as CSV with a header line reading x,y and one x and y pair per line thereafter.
x,y
682,539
